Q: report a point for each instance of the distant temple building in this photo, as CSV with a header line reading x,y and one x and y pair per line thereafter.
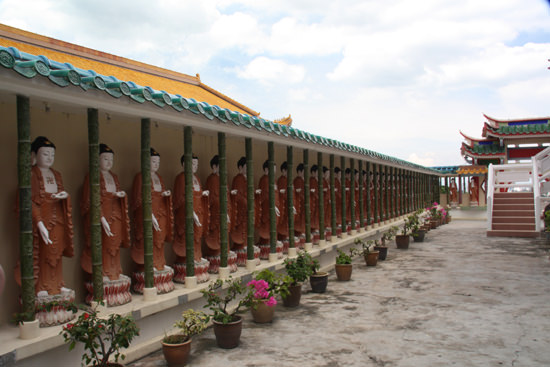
x,y
502,142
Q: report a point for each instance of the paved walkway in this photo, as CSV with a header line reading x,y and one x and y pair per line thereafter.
x,y
458,299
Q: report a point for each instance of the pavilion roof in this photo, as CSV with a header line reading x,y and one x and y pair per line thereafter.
x,y
112,80
472,170
489,151
520,130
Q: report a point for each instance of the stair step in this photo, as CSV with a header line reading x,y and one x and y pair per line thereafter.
x,y
513,201
503,233
514,213
514,219
514,206
513,195
513,226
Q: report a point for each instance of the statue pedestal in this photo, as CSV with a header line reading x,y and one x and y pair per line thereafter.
x,y
315,237
328,234
115,292
338,230
201,271
242,256
266,249
163,280
215,263
51,308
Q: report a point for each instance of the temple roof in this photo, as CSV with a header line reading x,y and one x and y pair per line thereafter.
x,y
525,121
112,75
492,150
472,170
520,130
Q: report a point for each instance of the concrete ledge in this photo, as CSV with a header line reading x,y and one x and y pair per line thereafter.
x,y
154,317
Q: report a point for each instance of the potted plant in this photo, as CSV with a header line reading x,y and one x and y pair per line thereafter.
x,y
343,266
177,347
102,337
369,253
318,279
402,240
227,324
260,300
432,210
417,232
298,269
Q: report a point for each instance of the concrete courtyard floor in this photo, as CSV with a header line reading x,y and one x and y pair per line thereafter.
x,y
457,299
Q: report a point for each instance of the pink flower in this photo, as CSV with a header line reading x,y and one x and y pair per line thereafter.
x,y
271,301
86,316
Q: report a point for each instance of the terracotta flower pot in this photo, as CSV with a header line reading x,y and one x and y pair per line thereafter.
x,y
433,224
371,259
382,252
263,313
343,271
318,282
402,241
176,355
228,335
293,298
418,236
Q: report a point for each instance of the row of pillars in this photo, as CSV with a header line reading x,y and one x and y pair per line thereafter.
x,y
397,191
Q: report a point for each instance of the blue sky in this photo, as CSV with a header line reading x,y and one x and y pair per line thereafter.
x,y
400,77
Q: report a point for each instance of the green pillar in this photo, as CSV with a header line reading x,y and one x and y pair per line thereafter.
x,y
290,195
224,244
332,197
250,199
386,197
375,178
352,192
369,213
321,196
343,188
272,214
189,222
95,204
146,200
307,196
361,195
25,206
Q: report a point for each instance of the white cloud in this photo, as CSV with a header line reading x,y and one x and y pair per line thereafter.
x,y
425,159
268,71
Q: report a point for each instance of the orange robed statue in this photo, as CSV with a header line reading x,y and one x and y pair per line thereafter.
x,y
161,216
201,214
262,197
52,225
326,197
115,223
299,201
314,198
282,223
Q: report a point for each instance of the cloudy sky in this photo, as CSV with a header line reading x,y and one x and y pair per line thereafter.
x,y
400,77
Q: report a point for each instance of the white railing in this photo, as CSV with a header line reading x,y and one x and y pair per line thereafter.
x,y
508,177
541,187
530,177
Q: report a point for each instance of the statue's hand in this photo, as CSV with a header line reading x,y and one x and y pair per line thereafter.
x,y
205,193
60,195
298,190
106,227
44,233
228,220
282,191
258,191
277,211
120,194
234,192
312,190
196,219
166,193
294,210
155,223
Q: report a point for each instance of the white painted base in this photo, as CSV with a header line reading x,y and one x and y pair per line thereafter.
x,y
273,257
29,329
101,310
149,294
360,230
223,273
190,282
344,235
292,252
353,232
322,243
251,264
308,246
